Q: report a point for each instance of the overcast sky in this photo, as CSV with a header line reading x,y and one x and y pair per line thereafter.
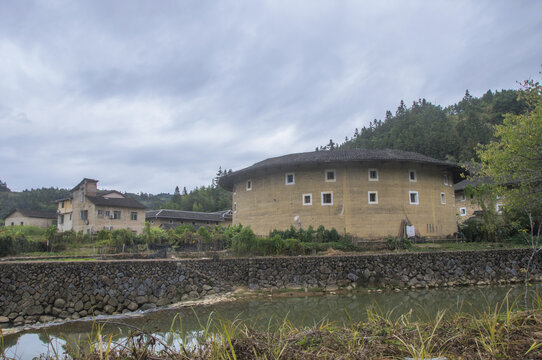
x,y
147,95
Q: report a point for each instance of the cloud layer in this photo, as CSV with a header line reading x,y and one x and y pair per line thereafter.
x,y
147,95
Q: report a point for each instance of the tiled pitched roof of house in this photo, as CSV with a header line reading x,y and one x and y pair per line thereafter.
x,y
333,157
36,213
116,202
188,215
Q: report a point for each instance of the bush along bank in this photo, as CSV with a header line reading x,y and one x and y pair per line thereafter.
x,y
42,291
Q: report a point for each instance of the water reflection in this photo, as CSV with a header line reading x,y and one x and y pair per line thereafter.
x,y
262,313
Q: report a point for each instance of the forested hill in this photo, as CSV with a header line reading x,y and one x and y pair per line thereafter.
x,y
449,133
35,199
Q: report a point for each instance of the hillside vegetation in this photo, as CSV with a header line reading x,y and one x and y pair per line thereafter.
x,y
446,133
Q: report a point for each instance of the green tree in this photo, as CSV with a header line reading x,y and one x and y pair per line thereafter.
x,y
514,159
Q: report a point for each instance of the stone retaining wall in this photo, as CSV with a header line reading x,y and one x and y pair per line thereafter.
x,y
43,291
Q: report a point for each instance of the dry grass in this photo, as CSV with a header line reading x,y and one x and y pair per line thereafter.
x,y
502,332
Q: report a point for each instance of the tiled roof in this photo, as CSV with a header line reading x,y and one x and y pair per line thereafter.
x,y
36,213
116,202
188,215
333,157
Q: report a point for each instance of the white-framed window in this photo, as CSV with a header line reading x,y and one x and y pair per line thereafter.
x,y
413,198
442,198
133,215
372,197
412,176
330,175
373,174
307,199
289,178
249,185
326,198
499,208
463,211
234,207
446,179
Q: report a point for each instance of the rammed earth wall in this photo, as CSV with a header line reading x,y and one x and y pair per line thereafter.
x,y
43,291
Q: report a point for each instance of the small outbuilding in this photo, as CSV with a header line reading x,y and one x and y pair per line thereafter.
x,y
368,193
19,217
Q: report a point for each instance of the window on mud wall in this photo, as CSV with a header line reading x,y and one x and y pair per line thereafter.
x,y
289,179
330,175
373,174
442,198
372,197
463,211
83,214
412,176
307,199
249,185
133,215
413,197
100,213
446,179
327,198
116,214
234,207
61,219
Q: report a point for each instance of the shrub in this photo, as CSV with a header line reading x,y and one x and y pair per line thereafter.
x,y
245,242
472,230
396,243
293,247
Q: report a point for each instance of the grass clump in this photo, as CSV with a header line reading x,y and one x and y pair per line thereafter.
x,y
501,332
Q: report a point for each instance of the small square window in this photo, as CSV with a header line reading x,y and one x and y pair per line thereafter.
x,y
373,174
446,179
413,197
307,199
442,198
372,197
330,175
412,176
327,198
100,213
290,178
249,185
463,211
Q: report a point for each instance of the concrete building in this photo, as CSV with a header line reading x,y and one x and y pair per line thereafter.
x,y
368,193
20,217
166,219
91,210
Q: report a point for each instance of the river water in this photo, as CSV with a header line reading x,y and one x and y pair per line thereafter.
x,y
261,312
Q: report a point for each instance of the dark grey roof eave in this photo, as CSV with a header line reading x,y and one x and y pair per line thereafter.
x,y
327,157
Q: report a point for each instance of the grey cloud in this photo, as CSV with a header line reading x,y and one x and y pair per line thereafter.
x,y
226,77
